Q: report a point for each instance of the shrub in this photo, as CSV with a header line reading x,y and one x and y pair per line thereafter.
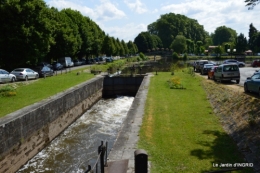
x,y
7,91
175,56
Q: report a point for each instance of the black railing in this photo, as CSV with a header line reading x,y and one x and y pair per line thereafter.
x,y
102,158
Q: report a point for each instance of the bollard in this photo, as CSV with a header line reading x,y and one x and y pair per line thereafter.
x,y
141,161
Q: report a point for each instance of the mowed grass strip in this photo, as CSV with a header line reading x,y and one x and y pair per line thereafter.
x,y
180,131
41,89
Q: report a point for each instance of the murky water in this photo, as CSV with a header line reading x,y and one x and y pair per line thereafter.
x,y
73,150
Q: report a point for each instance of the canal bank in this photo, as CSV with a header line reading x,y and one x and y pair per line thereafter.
x,y
27,131
126,142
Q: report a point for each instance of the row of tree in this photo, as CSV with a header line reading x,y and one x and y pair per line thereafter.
x,y
184,35
32,32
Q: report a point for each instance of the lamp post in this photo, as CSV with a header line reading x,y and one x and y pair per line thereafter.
x,y
230,51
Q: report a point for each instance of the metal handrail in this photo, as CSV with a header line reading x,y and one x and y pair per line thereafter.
x,y
102,156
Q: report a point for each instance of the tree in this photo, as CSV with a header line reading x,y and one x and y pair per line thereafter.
x,y
252,34
108,46
199,48
25,32
224,34
218,50
168,26
251,3
179,44
241,43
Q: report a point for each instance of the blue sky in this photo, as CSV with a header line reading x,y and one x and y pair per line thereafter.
x,y
127,18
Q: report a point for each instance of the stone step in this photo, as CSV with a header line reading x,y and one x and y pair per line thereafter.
x,y
118,166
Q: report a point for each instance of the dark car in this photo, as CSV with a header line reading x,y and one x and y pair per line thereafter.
x,y
109,59
256,63
43,71
57,66
77,62
206,68
252,84
44,64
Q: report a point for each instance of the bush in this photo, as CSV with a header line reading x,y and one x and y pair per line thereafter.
x,y
7,91
175,56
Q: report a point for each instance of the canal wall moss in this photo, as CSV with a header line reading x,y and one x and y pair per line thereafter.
x,y
27,131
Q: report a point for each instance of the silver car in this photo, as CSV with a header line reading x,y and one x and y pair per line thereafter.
x,y
25,74
6,76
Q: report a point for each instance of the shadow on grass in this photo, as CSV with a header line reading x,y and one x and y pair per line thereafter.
x,y
222,150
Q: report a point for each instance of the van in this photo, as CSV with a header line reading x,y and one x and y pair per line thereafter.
x,y
65,61
227,72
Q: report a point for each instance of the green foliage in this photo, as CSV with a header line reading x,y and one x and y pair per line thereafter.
x,y
179,44
224,34
147,42
185,57
7,90
219,50
175,56
168,26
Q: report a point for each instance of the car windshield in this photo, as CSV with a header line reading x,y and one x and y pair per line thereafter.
x,y
230,68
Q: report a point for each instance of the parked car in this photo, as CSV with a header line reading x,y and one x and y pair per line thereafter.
x,y
206,68
109,59
44,64
231,61
200,64
255,63
25,74
83,61
57,66
227,72
77,62
43,71
5,76
252,84
211,72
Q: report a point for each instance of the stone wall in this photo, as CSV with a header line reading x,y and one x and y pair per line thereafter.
x,y
26,132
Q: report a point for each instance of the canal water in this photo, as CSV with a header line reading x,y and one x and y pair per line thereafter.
x,y
77,146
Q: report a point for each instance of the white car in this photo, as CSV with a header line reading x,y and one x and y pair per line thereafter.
x,y
5,76
25,74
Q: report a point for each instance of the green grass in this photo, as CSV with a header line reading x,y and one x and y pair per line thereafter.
x,y
180,131
27,94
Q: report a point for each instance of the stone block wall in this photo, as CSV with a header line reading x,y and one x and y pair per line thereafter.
x,y
27,131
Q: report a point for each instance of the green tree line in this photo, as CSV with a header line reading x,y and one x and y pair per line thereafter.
x,y
32,32
184,35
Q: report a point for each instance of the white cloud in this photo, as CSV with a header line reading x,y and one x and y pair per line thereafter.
x,y
136,6
126,32
104,12
212,14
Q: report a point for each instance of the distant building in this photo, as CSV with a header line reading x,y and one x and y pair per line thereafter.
x,y
248,52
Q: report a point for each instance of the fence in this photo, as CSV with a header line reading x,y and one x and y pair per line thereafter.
x,y
102,158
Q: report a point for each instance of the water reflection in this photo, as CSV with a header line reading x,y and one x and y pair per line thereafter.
x,y
74,149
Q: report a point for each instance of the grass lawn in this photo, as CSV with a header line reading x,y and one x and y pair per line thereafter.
x,y
180,131
27,94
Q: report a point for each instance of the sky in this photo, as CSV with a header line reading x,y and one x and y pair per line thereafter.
x,y
125,19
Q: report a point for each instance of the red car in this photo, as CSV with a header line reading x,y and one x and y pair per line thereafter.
x,y
256,63
211,72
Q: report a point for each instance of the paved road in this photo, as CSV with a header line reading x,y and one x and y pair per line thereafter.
x,y
246,72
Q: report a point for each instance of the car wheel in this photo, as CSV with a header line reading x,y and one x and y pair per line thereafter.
x,y
214,78
13,79
208,77
237,81
26,78
245,88
36,77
